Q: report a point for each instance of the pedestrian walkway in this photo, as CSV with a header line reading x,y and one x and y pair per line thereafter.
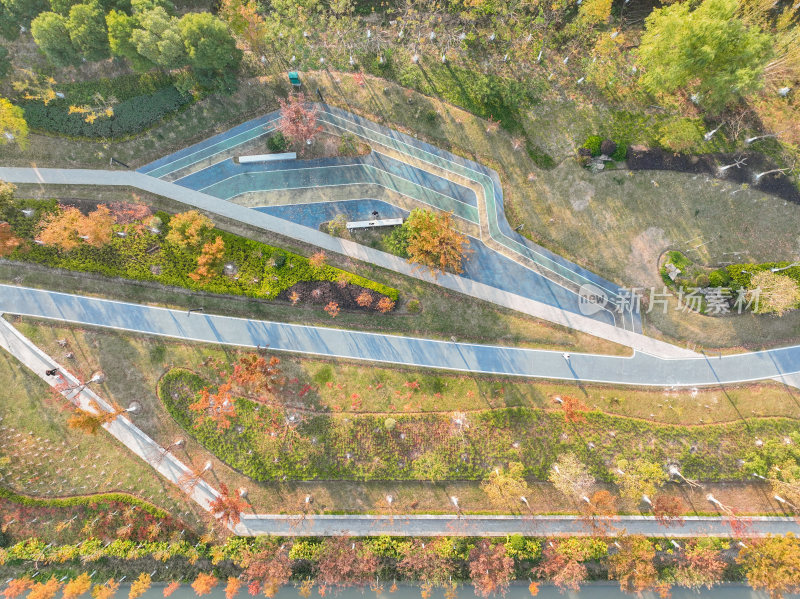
x,y
229,210
640,369
175,471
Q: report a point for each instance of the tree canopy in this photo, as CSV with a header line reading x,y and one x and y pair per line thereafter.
x,y
433,242
707,53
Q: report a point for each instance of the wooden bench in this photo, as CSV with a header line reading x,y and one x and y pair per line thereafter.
x,y
369,224
267,157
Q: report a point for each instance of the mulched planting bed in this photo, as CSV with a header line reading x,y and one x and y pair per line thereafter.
x,y
777,184
323,292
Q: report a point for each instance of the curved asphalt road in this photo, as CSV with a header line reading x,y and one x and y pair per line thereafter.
x,y
640,369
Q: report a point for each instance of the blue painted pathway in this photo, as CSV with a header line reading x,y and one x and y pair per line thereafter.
x,y
640,369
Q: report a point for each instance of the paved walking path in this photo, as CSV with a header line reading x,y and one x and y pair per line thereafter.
x,y
125,431
640,369
121,428
225,209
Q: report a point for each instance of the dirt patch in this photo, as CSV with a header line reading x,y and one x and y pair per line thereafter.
x,y
646,248
776,184
583,194
323,292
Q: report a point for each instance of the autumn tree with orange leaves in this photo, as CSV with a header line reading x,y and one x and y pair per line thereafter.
x,y
96,227
344,562
171,588
140,586
298,121
77,586
67,226
333,309
218,407
44,590
204,584
633,566
565,569
105,591
17,586
60,228
700,564
384,305
257,377
209,261
232,587
668,510
490,568
434,243
574,409
227,507
267,569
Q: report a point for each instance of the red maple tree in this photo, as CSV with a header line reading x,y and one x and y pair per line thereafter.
x,y
298,120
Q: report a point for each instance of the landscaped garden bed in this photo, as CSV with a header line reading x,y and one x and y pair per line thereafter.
x,y
736,280
126,241
268,442
134,103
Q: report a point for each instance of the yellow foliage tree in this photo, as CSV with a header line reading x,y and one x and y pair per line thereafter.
x,y
186,228
433,242
105,591
140,586
77,586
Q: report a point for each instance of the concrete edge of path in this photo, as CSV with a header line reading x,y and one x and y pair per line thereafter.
x,y
636,341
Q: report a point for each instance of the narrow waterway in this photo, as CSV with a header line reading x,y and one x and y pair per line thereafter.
x,y
599,590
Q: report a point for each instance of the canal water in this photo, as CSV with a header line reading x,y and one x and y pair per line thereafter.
x,y
599,590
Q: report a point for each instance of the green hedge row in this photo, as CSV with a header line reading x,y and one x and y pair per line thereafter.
x,y
130,116
121,88
237,549
82,500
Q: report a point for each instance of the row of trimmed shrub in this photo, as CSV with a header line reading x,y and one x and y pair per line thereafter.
x,y
82,500
236,549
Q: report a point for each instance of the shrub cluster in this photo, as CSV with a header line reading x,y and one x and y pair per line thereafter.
x,y
131,116
596,145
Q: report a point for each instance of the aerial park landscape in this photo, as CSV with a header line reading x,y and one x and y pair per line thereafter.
x,y
452,298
